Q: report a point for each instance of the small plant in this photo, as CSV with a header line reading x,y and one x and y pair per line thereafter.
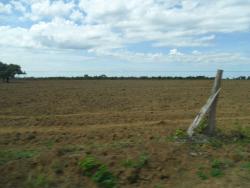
x,y
202,125
99,173
216,164
241,134
246,166
139,163
89,164
104,178
9,155
215,143
158,186
216,172
202,175
180,133
49,144
217,167
38,181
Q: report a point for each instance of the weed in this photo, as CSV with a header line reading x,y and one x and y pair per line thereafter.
x,y
241,134
99,173
104,178
69,149
216,164
49,144
9,155
88,165
246,166
215,143
40,181
180,133
216,170
202,125
202,175
158,186
139,163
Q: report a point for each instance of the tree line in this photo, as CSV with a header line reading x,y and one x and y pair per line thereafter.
x,y
105,77
8,71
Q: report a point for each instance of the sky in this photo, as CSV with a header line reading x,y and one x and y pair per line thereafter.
x,y
126,37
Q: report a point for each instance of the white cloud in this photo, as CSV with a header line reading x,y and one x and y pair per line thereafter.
x,y
18,5
5,8
174,52
47,8
169,23
175,56
60,33
77,16
106,27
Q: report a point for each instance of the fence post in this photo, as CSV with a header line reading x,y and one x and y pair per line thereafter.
x,y
212,112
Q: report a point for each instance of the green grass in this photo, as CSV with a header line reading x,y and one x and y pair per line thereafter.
x,y
88,165
215,143
241,134
104,178
136,163
217,168
98,172
216,172
49,144
39,181
9,155
246,166
202,126
179,134
202,175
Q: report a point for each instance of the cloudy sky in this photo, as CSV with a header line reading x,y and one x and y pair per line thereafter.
x,y
126,37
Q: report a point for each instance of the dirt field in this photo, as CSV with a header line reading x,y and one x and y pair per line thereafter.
x,y
47,128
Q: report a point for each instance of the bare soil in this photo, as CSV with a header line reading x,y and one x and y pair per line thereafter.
x,y
48,126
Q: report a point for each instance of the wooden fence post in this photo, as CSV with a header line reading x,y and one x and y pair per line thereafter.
x,y
212,112
210,108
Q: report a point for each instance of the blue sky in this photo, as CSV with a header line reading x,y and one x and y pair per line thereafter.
x,y
126,37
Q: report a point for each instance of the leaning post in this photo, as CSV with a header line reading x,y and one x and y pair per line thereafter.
x,y
212,112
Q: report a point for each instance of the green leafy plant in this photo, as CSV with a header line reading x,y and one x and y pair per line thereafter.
x,y
49,144
104,178
217,168
202,175
202,125
241,134
216,163
216,172
138,163
246,166
180,133
215,142
98,172
39,181
89,164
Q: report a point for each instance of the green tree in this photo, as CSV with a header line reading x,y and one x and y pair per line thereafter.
x,y
8,71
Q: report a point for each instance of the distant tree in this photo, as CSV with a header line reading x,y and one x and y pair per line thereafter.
x,y
8,71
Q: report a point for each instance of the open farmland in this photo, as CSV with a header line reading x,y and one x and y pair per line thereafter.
x,y
47,127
